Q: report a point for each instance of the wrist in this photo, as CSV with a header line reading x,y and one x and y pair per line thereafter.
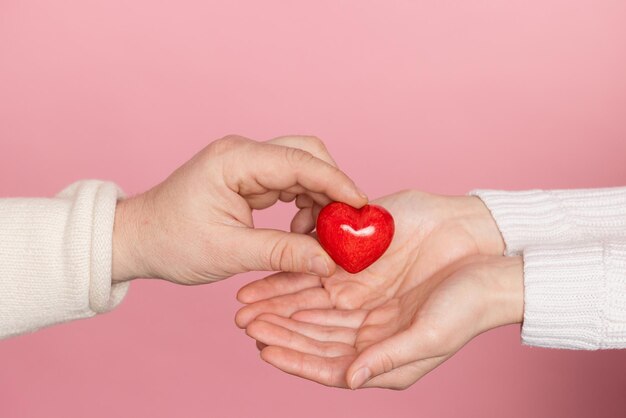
x,y
506,291
476,218
127,253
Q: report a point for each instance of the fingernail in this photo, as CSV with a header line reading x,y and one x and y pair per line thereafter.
x,y
362,194
319,266
360,377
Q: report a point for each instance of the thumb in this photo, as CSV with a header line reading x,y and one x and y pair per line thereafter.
x,y
385,356
273,250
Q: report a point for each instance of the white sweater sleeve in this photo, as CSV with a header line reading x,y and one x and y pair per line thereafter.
x,y
574,248
55,257
575,296
539,217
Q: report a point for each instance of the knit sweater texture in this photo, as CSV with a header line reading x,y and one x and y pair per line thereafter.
x,y
55,257
574,248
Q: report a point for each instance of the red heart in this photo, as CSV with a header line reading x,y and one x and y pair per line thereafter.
x,y
354,238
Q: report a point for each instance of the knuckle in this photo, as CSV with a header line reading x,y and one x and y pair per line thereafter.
x,y
334,172
297,157
232,138
282,255
315,142
386,362
227,144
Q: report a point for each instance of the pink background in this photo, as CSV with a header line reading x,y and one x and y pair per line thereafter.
x,y
438,95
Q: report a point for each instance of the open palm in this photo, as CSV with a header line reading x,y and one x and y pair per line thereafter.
x,y
396,343
431,232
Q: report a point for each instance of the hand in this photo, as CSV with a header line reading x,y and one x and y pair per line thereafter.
x,y
196,226
398,342
432,232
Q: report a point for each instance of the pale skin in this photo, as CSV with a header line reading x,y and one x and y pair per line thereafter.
x,y
442,282
196,227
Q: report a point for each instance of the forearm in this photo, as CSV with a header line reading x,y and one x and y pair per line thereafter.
x,y
55,257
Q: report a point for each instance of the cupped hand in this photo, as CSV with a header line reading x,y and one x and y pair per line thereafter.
x,y
197,226
396,343
432,232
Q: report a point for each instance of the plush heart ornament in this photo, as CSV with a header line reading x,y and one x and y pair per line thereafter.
x,y
354,238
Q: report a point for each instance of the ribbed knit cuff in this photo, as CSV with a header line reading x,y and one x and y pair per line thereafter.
x,y
575,296
537,217
56,257
96,201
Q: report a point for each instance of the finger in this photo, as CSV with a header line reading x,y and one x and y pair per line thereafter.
x,y
403,377
286,305
273,250
304,201
352,318
276,285
394,352
303,221
316,209
329,371
287,197
317,332
263,200
320,199
307,143
258,195
279,168
275,335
